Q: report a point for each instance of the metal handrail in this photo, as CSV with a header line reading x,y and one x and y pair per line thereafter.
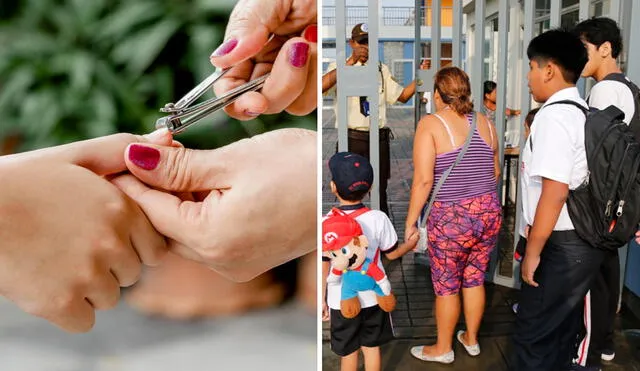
x,y
391,15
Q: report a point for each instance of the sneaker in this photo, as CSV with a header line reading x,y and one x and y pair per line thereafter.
x,y
608,355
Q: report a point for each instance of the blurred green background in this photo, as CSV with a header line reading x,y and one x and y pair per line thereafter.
x,y
77,69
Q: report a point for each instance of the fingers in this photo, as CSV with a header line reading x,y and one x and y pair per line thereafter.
x,y
178,169
307,101
104,292
76,317
172,217
289,75
150,246
250,25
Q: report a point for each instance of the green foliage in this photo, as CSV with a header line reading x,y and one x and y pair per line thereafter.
x,y
76,69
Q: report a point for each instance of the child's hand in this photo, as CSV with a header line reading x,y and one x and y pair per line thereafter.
x,y
325,313
71,239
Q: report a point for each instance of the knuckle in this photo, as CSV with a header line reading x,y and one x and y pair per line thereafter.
x,y
178,171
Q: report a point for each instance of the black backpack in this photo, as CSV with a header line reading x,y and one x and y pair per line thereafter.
x,y
634,123
605,209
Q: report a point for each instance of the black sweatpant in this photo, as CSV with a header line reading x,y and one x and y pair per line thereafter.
x,y
549,316
358,142
601,304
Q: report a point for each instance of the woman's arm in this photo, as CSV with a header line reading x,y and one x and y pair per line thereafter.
x,y
424,158
494,145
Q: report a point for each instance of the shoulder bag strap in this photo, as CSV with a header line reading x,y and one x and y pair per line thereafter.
x,y
423,219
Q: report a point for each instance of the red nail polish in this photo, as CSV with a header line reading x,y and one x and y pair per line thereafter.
x,y
225,48
144,157
298,54
311,33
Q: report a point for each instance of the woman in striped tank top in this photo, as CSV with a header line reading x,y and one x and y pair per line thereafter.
x,y
465,219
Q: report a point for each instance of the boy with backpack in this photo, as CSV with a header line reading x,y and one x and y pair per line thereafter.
x,y
351,180
558,266
603,41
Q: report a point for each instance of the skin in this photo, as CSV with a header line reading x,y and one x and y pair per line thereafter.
x,y
289,88
601,62
69,246
490,102
204,223
545,79
432,139
360,53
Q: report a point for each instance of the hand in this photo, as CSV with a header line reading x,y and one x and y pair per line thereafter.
x,y
325,312
528,268
638,237
254,206
70,239
360,53
411,234
292,86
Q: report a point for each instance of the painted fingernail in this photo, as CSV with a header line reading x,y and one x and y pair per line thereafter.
x,y
144,157
225,48
311,33
251,113
298,54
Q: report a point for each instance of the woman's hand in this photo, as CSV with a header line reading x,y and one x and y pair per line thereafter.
x,y
290,55
253,202
70,239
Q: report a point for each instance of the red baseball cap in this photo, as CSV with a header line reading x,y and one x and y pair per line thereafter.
x,y
338,230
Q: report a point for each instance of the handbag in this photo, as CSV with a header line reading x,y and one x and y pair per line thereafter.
x,y
423,242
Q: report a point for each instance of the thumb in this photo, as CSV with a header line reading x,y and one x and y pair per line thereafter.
x,y
177,168
250,25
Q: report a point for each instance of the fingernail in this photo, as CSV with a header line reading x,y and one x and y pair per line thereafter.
x,y
225,48
298,54
250,113
158,134
311,33
144,157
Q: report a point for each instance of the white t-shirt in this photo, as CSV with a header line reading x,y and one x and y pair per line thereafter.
x,y
558,153
613,93
381,235
389,91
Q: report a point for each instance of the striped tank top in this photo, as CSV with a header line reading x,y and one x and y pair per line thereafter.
x,y
473,176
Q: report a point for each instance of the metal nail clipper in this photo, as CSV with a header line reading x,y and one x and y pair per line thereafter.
x,y
182,116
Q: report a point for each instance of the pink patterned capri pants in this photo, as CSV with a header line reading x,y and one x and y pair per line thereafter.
x,y
461,236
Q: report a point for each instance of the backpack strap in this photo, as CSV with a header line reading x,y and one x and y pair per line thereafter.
x,y
359,212
565,101
634,122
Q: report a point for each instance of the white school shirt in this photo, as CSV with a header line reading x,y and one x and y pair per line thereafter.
x,y
613,93
382,236
558,153
389,91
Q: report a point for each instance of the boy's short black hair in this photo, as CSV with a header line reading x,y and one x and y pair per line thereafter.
x,y
488,87
598,31
530,116
563,49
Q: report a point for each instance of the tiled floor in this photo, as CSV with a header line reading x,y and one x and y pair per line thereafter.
x,y
413,318
279,339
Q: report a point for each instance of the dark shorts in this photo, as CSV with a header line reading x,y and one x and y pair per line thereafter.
x,y
371,328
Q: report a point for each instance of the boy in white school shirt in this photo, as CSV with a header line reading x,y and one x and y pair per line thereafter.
x,y
558,266
603,41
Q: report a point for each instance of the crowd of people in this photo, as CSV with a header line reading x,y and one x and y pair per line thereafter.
x,y
567,326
